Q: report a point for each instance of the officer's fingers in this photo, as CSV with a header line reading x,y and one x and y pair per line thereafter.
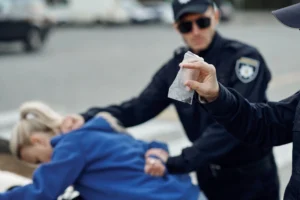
x,y
71,123
78,121
66,124
201,88
208,91
77,124
200,65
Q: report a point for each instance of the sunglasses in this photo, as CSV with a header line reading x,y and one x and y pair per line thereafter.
x,y
187,26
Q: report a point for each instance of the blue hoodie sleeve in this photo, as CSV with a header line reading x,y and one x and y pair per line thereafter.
x,y
159,145
50,180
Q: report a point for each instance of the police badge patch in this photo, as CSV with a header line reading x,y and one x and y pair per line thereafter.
x,y
247,69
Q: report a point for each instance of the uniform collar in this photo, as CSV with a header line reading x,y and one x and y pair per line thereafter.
x,y
211,47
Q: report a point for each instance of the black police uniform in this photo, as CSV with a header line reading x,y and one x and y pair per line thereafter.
x,y
264,125
225,167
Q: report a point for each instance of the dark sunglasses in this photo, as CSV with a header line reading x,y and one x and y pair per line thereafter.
x,y
187,26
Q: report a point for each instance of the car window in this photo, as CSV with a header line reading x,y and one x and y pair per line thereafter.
x,y
4,6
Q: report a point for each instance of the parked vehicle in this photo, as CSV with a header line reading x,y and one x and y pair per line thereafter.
x,y
26,21
88,11
226,9
139,13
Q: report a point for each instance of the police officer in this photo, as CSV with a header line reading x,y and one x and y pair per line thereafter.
x,y
226,168
266,125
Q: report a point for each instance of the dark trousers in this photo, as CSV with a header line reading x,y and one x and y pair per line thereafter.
x,y
256,181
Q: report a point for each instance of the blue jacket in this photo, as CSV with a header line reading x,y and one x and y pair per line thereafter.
x,y
102,164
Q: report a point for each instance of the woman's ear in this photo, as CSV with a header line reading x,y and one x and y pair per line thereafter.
x,y
39,139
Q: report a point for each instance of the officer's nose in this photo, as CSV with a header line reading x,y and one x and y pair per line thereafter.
x,y
196,30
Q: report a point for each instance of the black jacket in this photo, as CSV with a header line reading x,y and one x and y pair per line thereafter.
x,y
265,125
211,143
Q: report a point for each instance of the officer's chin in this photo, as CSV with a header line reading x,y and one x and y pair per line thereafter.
x,y
198,48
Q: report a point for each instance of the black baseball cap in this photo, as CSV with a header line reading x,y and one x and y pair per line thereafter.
x,y
182,7
289,16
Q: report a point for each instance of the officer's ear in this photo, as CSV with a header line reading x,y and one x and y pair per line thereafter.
x,y
216,14
175,26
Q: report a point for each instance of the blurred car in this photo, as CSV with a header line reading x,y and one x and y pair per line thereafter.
x,y
88,11
226,9
164,11
26,21
139,13
4,146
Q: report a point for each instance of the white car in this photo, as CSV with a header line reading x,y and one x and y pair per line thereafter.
x,y
88,11
139,13
26,21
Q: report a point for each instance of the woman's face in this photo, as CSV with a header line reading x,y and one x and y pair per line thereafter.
x,y
40,150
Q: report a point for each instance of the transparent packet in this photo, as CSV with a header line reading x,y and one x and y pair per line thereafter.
x,y
178,91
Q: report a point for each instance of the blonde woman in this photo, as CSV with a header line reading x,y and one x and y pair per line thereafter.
x,y
97,159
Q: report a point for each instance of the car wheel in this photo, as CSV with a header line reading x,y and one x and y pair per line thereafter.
x,y
4,146
33,40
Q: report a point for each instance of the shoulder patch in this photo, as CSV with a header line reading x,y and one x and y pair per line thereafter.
x,y
247,69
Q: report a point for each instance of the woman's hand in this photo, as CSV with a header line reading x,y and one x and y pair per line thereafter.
x,y
155,161
154,167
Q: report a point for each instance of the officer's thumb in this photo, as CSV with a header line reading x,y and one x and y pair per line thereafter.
x,y
208,91
200,88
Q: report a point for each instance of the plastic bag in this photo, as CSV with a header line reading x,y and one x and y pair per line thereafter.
x,y
178,91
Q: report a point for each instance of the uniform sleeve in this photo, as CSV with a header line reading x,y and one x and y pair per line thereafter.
x,y
262,124
50,180
250,77
211,146
147,105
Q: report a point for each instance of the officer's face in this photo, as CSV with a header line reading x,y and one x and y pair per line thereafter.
x,y
198,30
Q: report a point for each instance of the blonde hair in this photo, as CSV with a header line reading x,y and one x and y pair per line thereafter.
x,y
34,117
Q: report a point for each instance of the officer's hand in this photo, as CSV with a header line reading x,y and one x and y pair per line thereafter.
x,y
154,167
160,153
72,122
207,84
